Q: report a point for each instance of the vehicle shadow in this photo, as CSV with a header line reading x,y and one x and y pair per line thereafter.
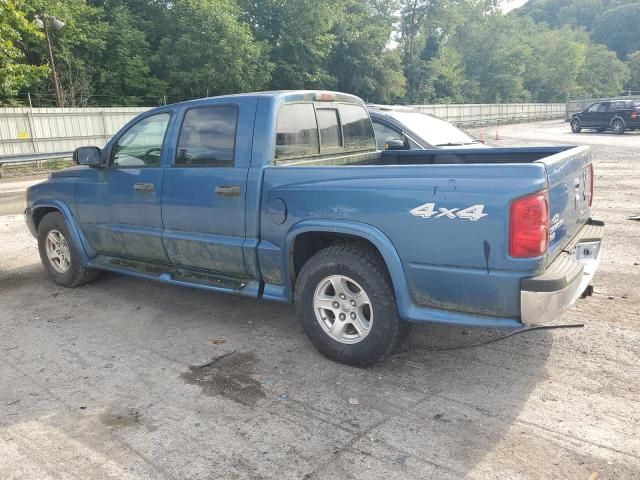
x,y
290,412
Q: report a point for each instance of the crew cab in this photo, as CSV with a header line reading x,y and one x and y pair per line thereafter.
x,y
403,128
284,196
614,115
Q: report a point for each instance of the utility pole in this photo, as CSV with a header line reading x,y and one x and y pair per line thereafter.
x,y
57,25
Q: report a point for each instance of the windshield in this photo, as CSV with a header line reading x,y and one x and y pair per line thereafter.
x,y
433,130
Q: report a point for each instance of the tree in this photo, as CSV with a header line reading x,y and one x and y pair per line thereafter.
x,y
208,49
619,29
361,61
17,33
603,74
299,34
633,64
125,75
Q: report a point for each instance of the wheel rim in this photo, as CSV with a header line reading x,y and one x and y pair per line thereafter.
x,y
343,309
617,126
58,251
575,125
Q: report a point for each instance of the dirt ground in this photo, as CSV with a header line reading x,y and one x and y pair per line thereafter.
x,y
105,381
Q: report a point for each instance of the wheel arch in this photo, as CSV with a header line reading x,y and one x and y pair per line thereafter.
x,y
617,117
40,209
307,237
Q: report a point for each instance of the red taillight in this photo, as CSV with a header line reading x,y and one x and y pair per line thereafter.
x,y
591,181
529,226
634,115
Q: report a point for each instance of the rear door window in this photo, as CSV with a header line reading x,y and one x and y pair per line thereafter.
x,y
357,128
329,126
297,131
208,137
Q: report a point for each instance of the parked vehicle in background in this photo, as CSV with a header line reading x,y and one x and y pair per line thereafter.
x,y
403,128
284,196
614,115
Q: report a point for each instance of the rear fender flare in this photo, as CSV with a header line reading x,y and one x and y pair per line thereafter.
x,y
85,251
360,230
617,117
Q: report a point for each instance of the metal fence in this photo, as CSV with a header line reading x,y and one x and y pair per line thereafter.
x,y
28,133
483,113
25,131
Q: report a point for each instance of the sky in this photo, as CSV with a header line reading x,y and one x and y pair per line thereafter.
x,y
511,4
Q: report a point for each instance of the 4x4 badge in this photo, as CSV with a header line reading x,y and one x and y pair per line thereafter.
x,y
429,210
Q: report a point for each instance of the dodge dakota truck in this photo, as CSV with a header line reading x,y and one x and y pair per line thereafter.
x,y
284,196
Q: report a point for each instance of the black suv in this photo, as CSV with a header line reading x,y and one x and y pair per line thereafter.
x,y
614,115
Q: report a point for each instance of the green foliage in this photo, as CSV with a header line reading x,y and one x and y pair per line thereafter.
x,y
633,63
16,35
603,74
208,49
360,61
619,29
299,34
386,51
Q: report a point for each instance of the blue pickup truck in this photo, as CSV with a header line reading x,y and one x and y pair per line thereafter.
x,y
284,196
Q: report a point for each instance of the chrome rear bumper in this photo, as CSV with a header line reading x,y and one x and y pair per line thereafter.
x,y
547,296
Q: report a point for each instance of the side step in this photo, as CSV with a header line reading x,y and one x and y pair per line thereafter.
x,y
168,273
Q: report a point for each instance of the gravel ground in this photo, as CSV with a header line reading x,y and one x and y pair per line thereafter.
x,y
102,382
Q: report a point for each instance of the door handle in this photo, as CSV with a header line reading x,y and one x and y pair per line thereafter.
x,y
144,187
228,190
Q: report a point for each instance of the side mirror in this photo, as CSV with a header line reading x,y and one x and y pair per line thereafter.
x,y
89,156
395,144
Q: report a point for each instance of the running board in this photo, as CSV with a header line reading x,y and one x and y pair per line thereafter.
x,y
168,273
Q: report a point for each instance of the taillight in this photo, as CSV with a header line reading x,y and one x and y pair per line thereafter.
x,y
591,181
529,226
634,115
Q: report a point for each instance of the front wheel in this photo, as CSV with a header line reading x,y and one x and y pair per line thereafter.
x,y
59,254
617,127
346,304
575,126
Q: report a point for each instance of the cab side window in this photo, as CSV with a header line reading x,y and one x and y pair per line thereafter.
x,y
603,107
208,137
141,144
593,108
384,133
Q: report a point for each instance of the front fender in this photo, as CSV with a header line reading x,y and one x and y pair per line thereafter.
x,y
360,230
85,250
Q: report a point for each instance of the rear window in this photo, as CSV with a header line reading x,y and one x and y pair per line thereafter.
x,y
297,131
357,128
329,127
305,130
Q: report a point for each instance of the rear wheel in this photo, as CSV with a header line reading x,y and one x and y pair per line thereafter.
x,y
617,127
59,254
346,303
575,126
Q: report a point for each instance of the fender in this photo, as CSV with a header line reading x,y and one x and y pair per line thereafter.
x,y
618,117
364,231
85,250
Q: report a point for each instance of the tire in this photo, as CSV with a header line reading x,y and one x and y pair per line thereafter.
x,y
617,126
59,254
361,275
575,126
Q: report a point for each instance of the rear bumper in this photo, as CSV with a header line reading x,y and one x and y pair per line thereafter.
x,y
547,296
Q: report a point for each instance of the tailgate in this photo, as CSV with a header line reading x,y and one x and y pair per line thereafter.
x,y
569,179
